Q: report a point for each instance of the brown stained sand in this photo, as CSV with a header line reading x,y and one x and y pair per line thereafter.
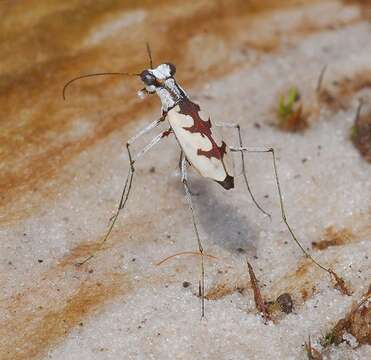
x,y
33,116
273,310
34,327
282,304
333,237
64,297
343,88
23,89
78,253
221,290
364,4
299,284
307,293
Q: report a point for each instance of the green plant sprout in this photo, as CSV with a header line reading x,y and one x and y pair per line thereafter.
x,y
290,112
286,104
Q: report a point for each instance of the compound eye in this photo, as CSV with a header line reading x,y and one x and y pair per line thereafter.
x,y
147,78
172,69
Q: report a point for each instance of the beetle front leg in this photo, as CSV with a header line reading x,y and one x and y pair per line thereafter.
x,y
128,181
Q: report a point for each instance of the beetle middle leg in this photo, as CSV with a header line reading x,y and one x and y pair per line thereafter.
x,y
184,178
244,172
193,193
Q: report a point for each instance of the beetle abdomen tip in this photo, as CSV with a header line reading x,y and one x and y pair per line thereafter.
x,y
227,183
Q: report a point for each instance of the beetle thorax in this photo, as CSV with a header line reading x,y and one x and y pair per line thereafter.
x,y
161,81
170,94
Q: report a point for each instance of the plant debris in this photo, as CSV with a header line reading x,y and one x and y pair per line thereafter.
x,y
283,304
357,323
185,253
340,284
259,302
339,95
312,353
290,112
186,284
361,133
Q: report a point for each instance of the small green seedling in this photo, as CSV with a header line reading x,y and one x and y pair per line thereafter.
x,y
289,112
328,339
286,104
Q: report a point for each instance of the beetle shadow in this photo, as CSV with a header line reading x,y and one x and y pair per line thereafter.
x,y
224,226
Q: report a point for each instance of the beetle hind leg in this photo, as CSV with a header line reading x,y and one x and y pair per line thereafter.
x,y
338,280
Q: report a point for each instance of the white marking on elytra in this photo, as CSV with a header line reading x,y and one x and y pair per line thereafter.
x,y
202,147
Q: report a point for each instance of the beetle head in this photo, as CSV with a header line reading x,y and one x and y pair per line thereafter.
x,y
158,77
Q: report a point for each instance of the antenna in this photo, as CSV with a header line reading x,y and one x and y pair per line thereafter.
x,y
91,75
149,55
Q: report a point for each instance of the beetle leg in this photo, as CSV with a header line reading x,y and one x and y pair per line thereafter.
x,y
184,179
244,172
128,182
